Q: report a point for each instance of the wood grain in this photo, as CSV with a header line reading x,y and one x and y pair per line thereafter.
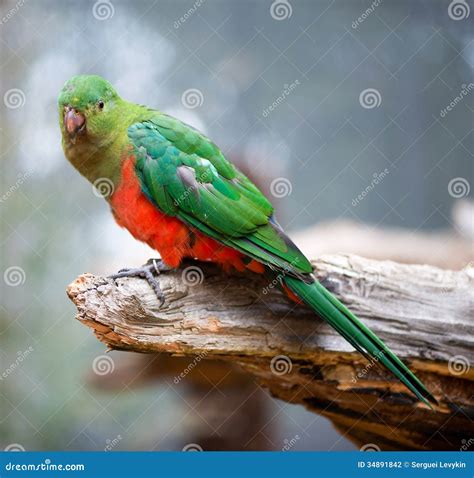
x,y
423,313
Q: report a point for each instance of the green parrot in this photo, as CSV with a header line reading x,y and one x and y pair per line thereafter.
x,y
172,188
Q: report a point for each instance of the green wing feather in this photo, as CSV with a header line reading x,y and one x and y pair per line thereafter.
x,y
187,176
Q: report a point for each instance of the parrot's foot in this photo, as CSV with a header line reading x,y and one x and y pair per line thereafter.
x,y
152,268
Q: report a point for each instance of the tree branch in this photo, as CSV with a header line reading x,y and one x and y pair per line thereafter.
x,y
423,313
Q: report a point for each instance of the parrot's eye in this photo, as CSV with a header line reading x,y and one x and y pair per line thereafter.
x,y
100,104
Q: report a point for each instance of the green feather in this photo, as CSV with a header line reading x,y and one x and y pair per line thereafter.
x,y
225,205
186,175
356,333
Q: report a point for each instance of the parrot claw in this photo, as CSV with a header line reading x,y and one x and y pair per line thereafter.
x,y
152,268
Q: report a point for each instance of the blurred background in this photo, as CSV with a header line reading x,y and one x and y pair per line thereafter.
x,y
340,110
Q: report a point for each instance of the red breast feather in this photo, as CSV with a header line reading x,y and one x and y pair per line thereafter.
x,y
173,239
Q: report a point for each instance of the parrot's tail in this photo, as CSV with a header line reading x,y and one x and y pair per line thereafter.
x,y
336,314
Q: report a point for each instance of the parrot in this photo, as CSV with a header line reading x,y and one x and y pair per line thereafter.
x,y
172,188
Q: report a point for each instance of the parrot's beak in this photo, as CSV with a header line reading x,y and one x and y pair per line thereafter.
x,y
74,122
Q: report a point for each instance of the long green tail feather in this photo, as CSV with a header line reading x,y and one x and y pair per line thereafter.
x,y
356,333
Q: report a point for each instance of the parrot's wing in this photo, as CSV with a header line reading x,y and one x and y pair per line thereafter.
x,y
186,175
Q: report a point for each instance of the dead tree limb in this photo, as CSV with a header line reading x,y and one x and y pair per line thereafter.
x,y
425,315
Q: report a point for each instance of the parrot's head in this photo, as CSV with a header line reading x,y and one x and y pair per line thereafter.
x,y
87,109
94,121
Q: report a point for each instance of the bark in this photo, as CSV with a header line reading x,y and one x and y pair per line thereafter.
x,y
423,313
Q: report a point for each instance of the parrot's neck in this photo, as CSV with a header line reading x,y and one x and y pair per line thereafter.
x,y
102,158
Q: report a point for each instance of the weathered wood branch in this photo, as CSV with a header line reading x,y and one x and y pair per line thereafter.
x,y
425,314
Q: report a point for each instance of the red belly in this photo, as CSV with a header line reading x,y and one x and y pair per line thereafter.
x,y
173,239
